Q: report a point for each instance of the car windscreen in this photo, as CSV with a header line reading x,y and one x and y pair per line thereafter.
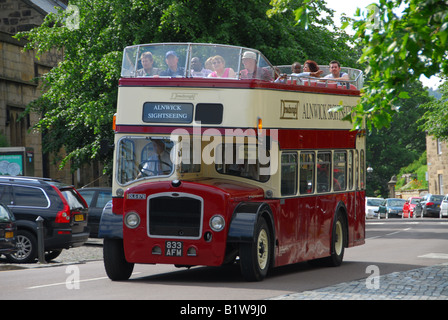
x,y
396,203
374,202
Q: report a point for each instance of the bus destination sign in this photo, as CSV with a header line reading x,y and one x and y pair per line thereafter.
x,y
165,112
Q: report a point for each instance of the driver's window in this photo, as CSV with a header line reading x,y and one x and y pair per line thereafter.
x,y
155,158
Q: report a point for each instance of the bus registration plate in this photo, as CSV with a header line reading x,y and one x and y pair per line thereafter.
x,y
173,248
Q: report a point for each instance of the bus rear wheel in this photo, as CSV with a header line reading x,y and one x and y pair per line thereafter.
x,y
117,268
337,242
255,256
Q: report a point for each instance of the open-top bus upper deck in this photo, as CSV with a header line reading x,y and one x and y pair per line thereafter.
x,y
192,90
196,60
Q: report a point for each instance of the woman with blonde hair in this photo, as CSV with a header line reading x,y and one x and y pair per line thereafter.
x,y
219,65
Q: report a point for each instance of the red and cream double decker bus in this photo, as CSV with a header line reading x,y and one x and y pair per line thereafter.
x,y
217,162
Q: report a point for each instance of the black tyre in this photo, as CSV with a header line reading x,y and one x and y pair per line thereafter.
x,y
53,254
117,268
255,256
26,248
337,242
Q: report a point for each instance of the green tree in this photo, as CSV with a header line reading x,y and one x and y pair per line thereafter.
x,y
435,119
81,92
389,149
399,47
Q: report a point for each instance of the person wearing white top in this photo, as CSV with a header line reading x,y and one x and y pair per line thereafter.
x,y
335,72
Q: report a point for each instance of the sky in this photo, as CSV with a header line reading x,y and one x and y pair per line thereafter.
x,y
349,8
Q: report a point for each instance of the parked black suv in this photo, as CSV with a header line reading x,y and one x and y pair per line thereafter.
x,y
64,212
8,230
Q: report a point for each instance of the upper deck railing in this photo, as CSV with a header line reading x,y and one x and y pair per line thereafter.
x,y
214,61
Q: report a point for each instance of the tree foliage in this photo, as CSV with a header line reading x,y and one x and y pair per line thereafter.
x,y
399,47
435,119
389,149
81,92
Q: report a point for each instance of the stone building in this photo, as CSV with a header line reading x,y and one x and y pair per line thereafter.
x,y
19,85
437,159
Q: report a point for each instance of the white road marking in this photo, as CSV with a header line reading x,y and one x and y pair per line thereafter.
x,y
435,256
389,234
64,283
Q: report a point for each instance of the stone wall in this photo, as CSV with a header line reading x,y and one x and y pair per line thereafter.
x,y
18,16
18,87
437,159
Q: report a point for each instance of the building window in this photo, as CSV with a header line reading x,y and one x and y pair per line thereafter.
x,y
17,126
439,146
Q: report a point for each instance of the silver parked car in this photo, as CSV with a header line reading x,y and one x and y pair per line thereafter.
x,y
372,205
444,207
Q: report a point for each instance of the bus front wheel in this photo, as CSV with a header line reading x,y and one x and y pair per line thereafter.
x,y
117,268
255,256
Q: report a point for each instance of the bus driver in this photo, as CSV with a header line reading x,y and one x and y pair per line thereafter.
x,y
158,162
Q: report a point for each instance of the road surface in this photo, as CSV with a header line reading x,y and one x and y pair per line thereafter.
x,y
391,245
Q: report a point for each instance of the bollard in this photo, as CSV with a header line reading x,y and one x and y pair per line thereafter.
x,y
40,240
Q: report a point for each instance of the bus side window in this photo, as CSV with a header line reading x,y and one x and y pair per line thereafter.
x,y
340,171
323,172
289,174
306,172
362,174
350,170
356,170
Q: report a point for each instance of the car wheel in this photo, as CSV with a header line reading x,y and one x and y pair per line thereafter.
x,y
26,244
53,254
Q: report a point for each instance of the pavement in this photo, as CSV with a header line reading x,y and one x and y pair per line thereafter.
x,y
428,283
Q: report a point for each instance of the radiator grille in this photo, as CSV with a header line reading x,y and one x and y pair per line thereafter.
x,y
178,216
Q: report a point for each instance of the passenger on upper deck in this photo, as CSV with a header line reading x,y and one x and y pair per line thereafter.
x,y
252,71
147,71
219,65
335,69
296,67
196,68
173,70
312,67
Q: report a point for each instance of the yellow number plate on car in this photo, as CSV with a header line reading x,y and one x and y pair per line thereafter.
x,y
9,234
79,217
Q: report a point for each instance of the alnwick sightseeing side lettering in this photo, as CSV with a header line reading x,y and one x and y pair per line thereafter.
x,y
323,111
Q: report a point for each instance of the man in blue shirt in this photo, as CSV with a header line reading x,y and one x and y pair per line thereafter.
x,y
173,70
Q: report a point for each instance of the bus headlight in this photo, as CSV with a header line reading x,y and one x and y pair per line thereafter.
x,y
217,223
132,220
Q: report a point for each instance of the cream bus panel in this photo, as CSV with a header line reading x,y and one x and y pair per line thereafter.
x,y
276,108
